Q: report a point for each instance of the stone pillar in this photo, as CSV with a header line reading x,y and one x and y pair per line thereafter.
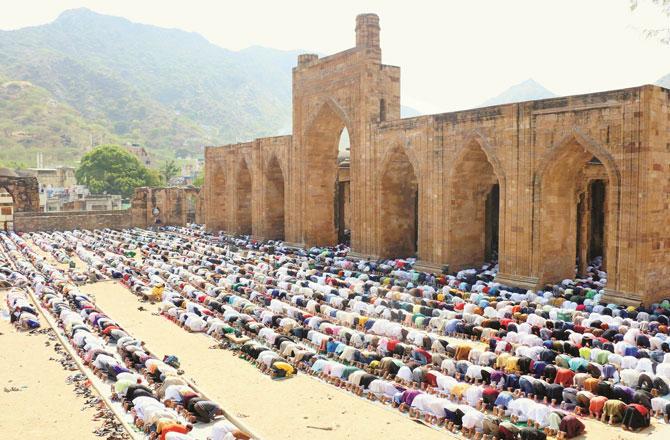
x,y
584,217
367,30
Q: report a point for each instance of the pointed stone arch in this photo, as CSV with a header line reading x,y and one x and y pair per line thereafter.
x,y
559,183
399,204
409,152
321,173
558,149
329,104
476,137
274,156
475,188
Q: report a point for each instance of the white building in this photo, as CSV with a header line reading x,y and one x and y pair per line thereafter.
x,y
6,210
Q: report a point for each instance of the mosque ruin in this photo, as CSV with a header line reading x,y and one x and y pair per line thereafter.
x,y
538,185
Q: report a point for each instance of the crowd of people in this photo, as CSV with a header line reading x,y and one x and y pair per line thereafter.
x,y
458,351
163,405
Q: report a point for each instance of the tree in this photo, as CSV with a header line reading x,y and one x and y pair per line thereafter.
x,y
111,169
199,180
169,170
662,34
13,165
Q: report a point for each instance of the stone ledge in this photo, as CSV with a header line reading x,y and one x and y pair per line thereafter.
x,y
294,245
622,298
360,256
428,266
524,282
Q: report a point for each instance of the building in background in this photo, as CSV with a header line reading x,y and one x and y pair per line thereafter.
x,y
6,211
56,177
78,198
58,190
6,203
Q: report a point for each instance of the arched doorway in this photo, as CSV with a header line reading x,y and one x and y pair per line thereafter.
x,y
274,200
324,216
573,188
399,207
491,224
243,199
6,210
473,209
343,189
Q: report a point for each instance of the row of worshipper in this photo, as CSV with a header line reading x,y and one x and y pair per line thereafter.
x,y
152,390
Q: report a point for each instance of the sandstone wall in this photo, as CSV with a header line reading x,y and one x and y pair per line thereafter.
x,y
653,220
63,221
24,192
177,206
261,201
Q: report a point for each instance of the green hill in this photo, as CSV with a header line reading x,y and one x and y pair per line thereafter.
x,y
90,77
30,118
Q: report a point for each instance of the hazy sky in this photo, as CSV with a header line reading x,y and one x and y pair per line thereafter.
x,y
453,54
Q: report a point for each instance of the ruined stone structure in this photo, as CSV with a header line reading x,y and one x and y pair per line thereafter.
x,y
24,191
176,206
171,205
538,184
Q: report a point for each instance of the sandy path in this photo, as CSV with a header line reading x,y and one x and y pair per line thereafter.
x,y
48,408
274,409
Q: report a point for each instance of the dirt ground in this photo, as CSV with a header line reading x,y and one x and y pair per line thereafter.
x,y
45,407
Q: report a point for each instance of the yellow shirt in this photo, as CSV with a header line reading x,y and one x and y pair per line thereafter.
x,y
288,368
157,293
459,389
502,358
512,364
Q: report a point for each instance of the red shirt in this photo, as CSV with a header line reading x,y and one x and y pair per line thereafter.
x,y
427,355
641,409
431,379
391,345
173,428
564,376
107,330
491,393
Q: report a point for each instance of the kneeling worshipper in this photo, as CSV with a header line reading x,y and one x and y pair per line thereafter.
x,y
636,417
